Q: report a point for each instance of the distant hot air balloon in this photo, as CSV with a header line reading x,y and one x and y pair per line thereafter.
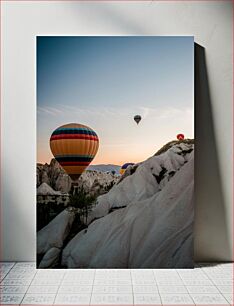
x,y
74,146
180,136
124,167
137,118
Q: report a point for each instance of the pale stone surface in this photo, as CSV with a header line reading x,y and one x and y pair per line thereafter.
x,y
155,229
45,189
51,258
148,178
54,234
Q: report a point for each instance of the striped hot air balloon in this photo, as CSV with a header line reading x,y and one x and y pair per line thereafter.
x,y
74,146
124,167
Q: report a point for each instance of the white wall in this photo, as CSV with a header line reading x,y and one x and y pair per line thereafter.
x,y
211,24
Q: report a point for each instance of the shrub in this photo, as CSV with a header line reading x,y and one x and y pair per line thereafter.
x,y
82,202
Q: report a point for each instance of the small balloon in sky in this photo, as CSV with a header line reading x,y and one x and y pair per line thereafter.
x,y
180,136
137,118
124,167
74,146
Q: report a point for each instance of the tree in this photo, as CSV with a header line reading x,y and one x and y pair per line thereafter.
x,y
82,202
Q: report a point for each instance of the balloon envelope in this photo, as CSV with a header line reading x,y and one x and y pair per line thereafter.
x,y
124,167
74,146
137,118
180,136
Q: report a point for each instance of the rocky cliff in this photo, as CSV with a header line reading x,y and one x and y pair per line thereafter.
x,y
144,221
91,181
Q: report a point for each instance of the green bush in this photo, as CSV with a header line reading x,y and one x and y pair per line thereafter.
x,y
82,202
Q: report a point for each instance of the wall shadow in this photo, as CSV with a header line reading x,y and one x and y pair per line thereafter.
x,y
212,241
211,228
17,229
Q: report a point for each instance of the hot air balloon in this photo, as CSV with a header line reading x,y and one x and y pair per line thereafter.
x,y
137,118
180,136
74,146
124,167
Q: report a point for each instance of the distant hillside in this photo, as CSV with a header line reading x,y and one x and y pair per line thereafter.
x,y
105,168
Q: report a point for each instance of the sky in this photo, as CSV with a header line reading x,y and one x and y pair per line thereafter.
x,y
103,82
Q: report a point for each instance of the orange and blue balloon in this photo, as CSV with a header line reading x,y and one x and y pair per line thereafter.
x,y
124,167
74,146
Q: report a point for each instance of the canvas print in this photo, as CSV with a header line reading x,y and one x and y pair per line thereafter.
x,y
115,152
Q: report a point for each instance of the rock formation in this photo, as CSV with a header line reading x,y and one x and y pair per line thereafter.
x,y
45,189
91,181
145,221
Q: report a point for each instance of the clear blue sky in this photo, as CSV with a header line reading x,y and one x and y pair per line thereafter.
x,y
104,81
